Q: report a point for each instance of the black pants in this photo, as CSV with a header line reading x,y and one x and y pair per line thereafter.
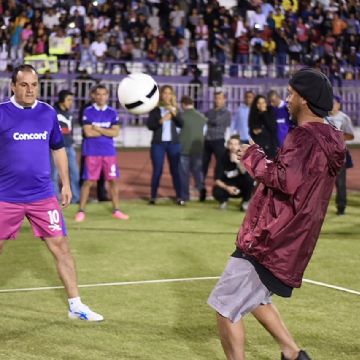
x,y
215,147
341,189
246,185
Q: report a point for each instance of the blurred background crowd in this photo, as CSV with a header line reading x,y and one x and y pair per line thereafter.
x,y
251,34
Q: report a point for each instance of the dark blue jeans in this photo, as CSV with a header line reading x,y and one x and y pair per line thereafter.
x,y
73,175
193,164
157,153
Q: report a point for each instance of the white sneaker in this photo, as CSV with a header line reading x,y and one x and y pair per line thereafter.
x,y
83,312
245,205
223,205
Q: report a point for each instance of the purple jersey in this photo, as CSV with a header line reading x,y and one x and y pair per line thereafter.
x,y
283,121
105,118
26,137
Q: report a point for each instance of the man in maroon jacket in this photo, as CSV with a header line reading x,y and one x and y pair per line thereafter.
x,y
284,218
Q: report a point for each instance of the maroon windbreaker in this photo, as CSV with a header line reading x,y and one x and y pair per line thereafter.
x,y
285,215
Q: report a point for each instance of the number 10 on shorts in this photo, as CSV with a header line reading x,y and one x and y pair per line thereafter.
x,y
54,218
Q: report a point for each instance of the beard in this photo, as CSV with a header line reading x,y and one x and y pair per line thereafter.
x,y
294,111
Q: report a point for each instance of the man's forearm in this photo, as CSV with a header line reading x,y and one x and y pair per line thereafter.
x,y
61,163
109,132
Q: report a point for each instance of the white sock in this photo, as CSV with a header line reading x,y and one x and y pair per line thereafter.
x,y
74,302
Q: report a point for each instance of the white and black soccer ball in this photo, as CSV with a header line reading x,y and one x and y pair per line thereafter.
x,y
138,93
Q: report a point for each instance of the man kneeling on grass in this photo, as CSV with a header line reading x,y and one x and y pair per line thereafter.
x,y
284,218
232,179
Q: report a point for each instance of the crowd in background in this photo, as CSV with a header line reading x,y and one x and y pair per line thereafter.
x,y
254,33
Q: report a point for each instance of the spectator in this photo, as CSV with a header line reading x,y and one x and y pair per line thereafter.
x,y
338,25
262,125
282,116
240,27
242,52
335,73
65,118
278,18
231,179
99,48
192,144
219,119
78,7
343,123
202,36
181,52
282,49
240,122
50,18
256,44
163,122
87,58
177,19
257,20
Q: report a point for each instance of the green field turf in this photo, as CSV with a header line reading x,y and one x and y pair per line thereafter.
x,y
169,320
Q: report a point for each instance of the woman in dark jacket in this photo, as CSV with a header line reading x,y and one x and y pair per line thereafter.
x,y
164,121
263,127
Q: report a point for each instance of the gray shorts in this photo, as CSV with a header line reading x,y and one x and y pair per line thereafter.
x,y
238,291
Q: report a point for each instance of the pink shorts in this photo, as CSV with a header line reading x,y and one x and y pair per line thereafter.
x,y
94,165
45,217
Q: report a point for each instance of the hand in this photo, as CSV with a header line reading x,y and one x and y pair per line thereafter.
x,y
66,196
232,190
257,131
234,158
172,110
166,117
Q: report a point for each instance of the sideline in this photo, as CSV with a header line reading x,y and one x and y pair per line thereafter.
x,y
142,282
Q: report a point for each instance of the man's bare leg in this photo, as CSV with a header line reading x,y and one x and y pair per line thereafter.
x,y
84,193
65,264
270,318
232,336
114,191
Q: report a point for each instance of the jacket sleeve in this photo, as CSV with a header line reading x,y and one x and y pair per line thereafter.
x,y
288,170
153,121
178,120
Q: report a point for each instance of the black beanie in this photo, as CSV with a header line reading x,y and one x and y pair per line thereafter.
x,y
315,88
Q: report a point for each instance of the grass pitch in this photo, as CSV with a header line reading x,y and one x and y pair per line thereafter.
x,y
169,320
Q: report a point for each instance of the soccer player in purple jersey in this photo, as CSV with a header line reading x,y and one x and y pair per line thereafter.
x,y
100,125
28,131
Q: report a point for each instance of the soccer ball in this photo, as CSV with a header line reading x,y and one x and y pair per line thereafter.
x,y
138,93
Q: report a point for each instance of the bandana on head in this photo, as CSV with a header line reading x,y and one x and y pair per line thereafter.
x,y
315,88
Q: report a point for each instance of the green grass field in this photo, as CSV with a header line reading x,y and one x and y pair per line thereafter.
x,y
169,320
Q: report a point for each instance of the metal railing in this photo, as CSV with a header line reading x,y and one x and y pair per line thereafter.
x,y
203,95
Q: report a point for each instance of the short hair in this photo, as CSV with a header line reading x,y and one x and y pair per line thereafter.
x,y
219,92
63,94
272,93
187,100
235,137
22,67
249,92
100,87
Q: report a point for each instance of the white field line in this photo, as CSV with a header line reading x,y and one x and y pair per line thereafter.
x,y
124,283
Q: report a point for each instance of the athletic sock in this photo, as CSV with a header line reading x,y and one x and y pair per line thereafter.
x,y
74,302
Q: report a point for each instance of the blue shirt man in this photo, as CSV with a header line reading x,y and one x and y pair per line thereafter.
x,y
240,121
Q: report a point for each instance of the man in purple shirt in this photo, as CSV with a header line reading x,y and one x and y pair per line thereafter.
x,y
100,125
28,131
278,106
